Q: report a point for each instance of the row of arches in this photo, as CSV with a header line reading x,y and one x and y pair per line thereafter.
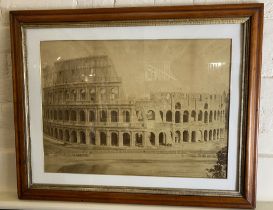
x,y
81,116
83,94
133,139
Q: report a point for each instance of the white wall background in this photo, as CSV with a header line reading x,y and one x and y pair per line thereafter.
x,y
7,148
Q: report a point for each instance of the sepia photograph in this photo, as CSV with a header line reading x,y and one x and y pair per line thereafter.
x,y
136,107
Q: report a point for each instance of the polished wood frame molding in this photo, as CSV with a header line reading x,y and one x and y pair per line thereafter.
x,y
254,12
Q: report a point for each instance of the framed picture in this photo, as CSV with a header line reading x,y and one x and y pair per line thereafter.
x,y
153,105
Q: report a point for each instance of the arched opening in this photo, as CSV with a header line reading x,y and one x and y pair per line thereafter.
x,y
93,95
218,115
162,138
114,139
185,136
206,117
205,135
82,137
103,94
61,136
92,137
169,116
161,115
217,133
74,95
152,138
177,138
177,117
73,115
66,115
126,139
73,137
193,115
215,115
92,116
177,105
200,115
60,115
139,115
51,115
206,106
83,94
193,136
114,116
55,115
151,115
214,134
210,135
82,116
186,116
66,135
103,116
210,116
126,116
56,133
139,139
103,139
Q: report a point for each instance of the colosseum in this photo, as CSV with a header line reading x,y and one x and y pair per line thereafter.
x,y
84,103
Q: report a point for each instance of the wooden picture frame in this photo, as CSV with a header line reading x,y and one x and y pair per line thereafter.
x,y
248,16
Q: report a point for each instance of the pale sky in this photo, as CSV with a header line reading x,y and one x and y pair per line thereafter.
x,y
155,65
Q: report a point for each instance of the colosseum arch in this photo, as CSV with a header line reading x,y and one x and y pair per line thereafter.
x,y
82,116
60,115
152,138
214,134
126,139
74,95
82,137
103,141
210,135
92,116
215,115
151,115
103,116
186,116
200,115
205,117
169,116
218,133
55,115
177,137
66,136
66,115
210,116
56,133
162,138
185,136
218,115
114,139
73,115
199,135
93,95
126,116
83,94
61,134
73,137
92,138
177,105
139,139
177,116
114,116
205,135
